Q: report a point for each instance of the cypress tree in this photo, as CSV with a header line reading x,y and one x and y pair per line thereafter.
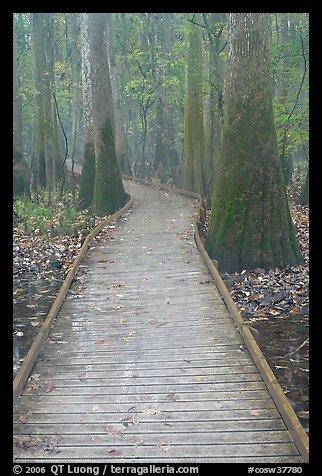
x,y
250,223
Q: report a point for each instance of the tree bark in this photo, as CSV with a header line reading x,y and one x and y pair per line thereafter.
x,y
47,167
250,223
87,179
304,197
21,173
120,135
193,170
109,194
283,92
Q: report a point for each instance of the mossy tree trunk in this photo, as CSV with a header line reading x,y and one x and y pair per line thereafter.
x,y
109,194
21,173
214,114
304,197
250,223
193,168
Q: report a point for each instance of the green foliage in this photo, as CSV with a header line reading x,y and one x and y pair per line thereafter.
x,y
149,58
47,212
289,65
155,67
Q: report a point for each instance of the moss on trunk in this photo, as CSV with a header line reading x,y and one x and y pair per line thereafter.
x,y
21,175
304,197
194,173
250,224
87,180
109,193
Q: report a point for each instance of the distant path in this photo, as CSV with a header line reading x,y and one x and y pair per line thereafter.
x,y
144,363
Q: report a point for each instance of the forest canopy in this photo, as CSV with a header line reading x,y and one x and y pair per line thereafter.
x,y
149,95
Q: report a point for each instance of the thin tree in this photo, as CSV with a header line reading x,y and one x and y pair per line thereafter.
x,y
47,164
250,224
21,173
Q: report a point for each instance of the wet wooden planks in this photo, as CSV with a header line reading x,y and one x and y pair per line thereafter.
x,y
144,363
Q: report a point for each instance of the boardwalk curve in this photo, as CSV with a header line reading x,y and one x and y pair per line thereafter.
x,y
144,363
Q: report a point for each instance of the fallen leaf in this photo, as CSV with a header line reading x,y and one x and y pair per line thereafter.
x,y
150,411
95,408
135,421
165,449
198,378
49,386
35,376
294,312
113,452
22,419
273,312
126,421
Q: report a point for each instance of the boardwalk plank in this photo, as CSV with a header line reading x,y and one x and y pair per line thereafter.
x,y
144,363
246,426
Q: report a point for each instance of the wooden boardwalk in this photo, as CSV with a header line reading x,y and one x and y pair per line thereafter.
x,y
144,363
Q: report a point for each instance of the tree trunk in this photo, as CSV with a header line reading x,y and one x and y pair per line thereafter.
x,y
21,174
46,165
87,180
214,113
250,224
38,161
120,136
304,197
109,194
166,159
193,173
283,92
75,86
52,139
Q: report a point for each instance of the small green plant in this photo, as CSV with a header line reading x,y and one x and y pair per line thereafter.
x,y
49,213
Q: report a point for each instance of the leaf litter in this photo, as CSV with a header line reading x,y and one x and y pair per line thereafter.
x,y
40,263
276,304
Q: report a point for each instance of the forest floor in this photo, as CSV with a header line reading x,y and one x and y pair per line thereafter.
x,y
274,302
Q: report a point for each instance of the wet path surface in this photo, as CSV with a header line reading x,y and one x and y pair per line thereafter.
x,y
32,298
144,363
